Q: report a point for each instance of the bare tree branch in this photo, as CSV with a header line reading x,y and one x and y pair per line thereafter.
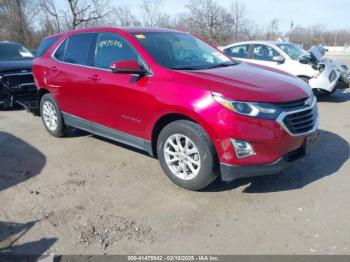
x,y
151,12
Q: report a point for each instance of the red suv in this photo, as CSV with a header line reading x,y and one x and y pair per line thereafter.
x,y
178,98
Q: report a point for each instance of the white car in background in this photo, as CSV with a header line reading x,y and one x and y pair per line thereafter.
x,y
322,76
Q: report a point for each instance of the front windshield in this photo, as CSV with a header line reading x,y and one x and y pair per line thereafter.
x,y
293,51
181,51
12,51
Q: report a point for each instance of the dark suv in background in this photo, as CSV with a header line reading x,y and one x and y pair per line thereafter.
x,y
16,79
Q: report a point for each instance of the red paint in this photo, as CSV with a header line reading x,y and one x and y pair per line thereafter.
x,y
126,66
134,104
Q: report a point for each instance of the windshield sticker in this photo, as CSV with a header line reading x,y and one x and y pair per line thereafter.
x,y
109,43
140,36
26,54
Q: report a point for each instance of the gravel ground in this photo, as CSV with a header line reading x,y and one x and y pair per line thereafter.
x,y
86,195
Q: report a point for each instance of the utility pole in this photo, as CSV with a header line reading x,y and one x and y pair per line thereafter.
x,y
335,38
290,30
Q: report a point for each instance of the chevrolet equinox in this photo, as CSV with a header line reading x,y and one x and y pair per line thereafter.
x,y
173,95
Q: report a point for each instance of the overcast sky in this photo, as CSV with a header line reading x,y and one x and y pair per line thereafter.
x,y
332,13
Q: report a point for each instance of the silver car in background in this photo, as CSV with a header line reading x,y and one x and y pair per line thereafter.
x,y
322,75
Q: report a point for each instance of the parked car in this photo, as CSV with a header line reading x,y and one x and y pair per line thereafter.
x,y
320,75
178,98
16,79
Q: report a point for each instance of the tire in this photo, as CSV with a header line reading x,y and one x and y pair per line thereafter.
x,y
49,110
204,163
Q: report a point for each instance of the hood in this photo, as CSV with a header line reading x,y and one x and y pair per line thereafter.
x,y
318,51
248,82
15,65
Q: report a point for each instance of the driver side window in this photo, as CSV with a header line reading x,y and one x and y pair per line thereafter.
x,y
264,53
112,48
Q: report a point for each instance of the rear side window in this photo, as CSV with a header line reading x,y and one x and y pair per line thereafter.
x,y
80,48
45,45
112,48
59,54
240,51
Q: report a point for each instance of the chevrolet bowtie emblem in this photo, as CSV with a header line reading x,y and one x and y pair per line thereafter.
x,y
308,102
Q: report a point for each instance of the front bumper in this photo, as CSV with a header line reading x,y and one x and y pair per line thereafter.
x,y
16,87
327,79
233,172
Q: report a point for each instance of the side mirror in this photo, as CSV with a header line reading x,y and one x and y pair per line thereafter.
x,y
130,67
279,59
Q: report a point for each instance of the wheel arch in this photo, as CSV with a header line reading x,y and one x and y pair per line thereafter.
x,y
40,93
161,123
169,118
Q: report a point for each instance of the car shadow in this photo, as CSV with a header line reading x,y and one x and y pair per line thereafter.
x,y
340,96
74,132
19,161
16,107
10,233
329,156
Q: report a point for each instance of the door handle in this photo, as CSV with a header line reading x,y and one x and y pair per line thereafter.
x,y
94,77
54,68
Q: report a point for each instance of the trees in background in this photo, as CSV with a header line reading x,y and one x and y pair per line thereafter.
x,y
209,20
15,18
27,21
122,16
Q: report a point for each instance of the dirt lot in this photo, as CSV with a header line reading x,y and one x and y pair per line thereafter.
x,y
86,195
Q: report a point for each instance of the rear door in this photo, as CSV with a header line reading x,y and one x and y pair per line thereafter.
x,y
71,72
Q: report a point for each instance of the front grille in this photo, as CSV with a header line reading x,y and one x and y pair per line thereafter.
x,y
301,122
14,80
19,83
332,76
292,105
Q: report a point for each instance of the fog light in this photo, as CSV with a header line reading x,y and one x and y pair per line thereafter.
x,y
243,149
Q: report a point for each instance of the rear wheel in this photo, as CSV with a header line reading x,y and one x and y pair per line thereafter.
x,y
52,116
187,155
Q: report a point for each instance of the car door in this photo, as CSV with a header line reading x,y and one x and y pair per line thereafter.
x,y
263,55
119,100
70,74
240,52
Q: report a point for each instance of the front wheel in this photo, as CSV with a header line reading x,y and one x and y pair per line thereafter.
x,y
187,155
52,116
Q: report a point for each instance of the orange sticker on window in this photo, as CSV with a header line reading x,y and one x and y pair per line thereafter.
x,y
140,36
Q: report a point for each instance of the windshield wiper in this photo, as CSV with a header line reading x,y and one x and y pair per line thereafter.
x,y
185,68
205,67
222,65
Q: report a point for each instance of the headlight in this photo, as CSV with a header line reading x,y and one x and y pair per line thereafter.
x,y
260,110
